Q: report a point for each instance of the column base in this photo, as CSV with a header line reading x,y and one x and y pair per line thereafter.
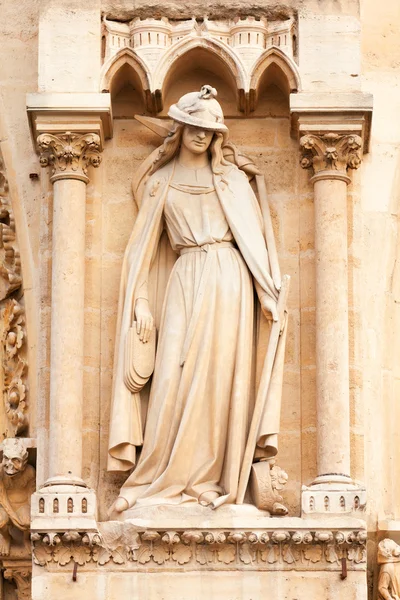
x,y
333,495
67,507
64,480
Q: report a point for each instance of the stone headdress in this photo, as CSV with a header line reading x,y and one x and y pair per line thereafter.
x,y
199,109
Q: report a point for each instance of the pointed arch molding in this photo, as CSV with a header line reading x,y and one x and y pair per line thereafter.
x,y
287,66
234,67
127,56
245,78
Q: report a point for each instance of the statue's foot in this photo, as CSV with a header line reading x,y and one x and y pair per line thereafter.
x,y
279,510
5,542
207,498
119,505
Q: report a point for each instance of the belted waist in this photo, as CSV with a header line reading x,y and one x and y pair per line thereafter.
x,y
207,247
201,291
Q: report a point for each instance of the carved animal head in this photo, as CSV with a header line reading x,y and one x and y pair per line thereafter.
x,y
15,456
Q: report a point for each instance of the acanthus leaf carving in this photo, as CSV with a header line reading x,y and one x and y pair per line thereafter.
x,y
10,260
330,151
215,549
13,317
69,151
14,367
21,575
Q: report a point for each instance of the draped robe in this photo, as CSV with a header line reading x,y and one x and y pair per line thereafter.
x,y
148,258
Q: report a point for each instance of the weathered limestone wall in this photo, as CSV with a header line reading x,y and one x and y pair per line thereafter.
x,y
379,265
69,41
196,586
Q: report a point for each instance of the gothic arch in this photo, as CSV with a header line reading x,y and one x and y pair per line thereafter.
x,y
286,73
127,57
234,71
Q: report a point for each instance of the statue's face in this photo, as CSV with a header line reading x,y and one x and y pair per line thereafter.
x,y
196,140
14,457
12,464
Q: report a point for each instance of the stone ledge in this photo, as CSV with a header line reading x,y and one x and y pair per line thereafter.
x,y
258,543
343,112
76,112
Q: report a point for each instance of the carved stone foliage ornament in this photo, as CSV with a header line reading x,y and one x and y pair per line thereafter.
x,y
69,152
14,363
14,368
202,549
330,152
19,572
10,262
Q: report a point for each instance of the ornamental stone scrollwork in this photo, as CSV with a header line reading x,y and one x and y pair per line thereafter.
x,y
10,261
330,151
14,368
204,549
12,310
69,154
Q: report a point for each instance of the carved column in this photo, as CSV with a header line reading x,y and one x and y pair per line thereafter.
x,y
69,156
330,156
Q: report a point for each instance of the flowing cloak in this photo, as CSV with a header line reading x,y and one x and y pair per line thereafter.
x,y
149,254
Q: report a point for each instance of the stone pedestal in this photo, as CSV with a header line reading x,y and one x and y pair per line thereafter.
x,y
194,552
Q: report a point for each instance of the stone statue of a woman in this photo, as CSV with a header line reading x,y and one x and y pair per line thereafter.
x,y
196,262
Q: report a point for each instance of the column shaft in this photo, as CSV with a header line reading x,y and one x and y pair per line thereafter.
x,y
67,329
332,336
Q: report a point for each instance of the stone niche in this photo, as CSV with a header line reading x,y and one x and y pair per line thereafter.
x,y
196,53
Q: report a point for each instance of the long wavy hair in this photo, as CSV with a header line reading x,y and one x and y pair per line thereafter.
x,y
172,143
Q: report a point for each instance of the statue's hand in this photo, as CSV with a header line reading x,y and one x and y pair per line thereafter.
x,y
268,306
144,319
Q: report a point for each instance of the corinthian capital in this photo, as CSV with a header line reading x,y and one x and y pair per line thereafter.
x,y
69,154
330,151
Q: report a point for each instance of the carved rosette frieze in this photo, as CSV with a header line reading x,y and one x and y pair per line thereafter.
x,y
330,152
202,549
69,154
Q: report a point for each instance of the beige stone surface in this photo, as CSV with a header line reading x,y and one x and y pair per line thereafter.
x,y
343,48
195,586
65,34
